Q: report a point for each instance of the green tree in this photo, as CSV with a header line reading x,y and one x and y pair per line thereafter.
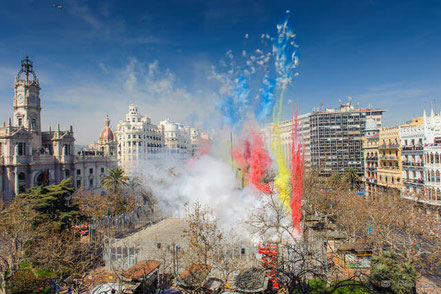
x,y
115,180
351,175
51,204
335,180
389,275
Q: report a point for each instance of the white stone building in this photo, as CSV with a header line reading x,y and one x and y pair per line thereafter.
x,y
138,139
29,156
432,160
177,139
412,138
421,159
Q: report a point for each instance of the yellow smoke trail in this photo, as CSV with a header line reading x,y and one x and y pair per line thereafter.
x,y
282,179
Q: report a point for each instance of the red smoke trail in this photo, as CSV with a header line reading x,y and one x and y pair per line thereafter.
x,y
297,171
259,163
241,155
204,147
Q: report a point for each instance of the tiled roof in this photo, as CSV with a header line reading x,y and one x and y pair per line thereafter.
x,y
141,270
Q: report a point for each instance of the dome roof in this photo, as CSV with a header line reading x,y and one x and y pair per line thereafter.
x,y
106,133
371,125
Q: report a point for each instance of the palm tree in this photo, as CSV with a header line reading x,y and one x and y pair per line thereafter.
x,y
114,180
351,175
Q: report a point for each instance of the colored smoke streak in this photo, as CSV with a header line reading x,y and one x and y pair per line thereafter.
x,y
204,147
297,167
282,179
259,163
266,99
241,155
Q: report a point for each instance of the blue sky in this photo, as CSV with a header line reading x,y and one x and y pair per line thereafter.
x,y
95,57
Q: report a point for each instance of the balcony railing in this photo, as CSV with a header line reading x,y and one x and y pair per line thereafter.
x,y
412,148
389,167
388,157
371,158
371,180
371,168
412,164
414,181
390,145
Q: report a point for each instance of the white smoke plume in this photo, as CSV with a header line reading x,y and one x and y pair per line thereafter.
x,y
207,180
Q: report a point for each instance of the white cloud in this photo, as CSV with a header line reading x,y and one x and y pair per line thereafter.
x,y
78,8
156,90
400,102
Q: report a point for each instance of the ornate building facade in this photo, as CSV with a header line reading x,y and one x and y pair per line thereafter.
x,y
29,156
177,138
412,138
390,168
371,158
138,139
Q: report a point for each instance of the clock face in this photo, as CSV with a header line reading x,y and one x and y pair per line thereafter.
x,y
33,99
20,98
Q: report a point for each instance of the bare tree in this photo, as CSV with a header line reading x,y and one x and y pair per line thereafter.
x,y
15,232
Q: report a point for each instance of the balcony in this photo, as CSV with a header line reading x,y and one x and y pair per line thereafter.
x,y
388,157
389,146
388,168
408,164
419,182
411,148
372,159
371,168
371,180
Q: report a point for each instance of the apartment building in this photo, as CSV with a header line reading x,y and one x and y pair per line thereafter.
x,y
336,136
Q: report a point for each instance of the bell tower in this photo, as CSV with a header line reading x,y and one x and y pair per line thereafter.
x,y
27,103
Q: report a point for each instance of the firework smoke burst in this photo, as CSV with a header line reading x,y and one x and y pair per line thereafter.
x,y
297,167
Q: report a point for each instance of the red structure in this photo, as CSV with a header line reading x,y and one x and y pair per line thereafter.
x,y
270,252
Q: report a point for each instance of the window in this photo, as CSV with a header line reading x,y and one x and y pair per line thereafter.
x,y
90,182
78,171
20,121
21,177
33,123
67,173
90,170
66,149
78,183
102,170
21,148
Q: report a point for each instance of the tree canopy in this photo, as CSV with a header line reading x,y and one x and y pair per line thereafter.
x,y
51,204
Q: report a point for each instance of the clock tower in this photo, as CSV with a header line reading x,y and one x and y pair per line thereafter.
x,y
27,107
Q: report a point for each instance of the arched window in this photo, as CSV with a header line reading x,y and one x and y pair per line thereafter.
x,y
436,157
437,176
431,158
21,176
